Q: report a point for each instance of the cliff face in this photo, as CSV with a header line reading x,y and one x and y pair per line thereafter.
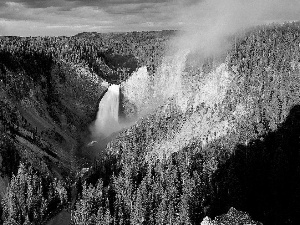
x,y
46,110
233,216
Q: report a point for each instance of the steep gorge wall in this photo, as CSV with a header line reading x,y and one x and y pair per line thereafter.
x,y
49,108
236,116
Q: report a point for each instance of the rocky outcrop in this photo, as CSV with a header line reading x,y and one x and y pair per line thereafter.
x,y
233,216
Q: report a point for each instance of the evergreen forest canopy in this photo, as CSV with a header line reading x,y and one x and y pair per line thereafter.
x,y
235,147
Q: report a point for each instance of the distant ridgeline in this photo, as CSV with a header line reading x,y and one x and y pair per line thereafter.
x,y
112,56
214,134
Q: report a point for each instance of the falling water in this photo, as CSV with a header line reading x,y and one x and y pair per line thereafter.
x,y
107,121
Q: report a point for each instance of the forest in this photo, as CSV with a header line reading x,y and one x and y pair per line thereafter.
x,y
172,166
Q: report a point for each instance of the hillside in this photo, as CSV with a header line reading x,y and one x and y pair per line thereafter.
x,y
50,91
232,142
206,135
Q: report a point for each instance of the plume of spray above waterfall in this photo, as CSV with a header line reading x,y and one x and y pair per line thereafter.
x,y
205,29
206,25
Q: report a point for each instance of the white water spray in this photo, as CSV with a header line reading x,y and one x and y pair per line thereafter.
x,y
148,93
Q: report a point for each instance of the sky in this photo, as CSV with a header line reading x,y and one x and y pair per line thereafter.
x,y
69,17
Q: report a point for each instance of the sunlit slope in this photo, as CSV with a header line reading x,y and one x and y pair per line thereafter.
x,y
237,101
224,133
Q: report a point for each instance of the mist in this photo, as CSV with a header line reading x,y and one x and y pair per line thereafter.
x,y
207,25
206,29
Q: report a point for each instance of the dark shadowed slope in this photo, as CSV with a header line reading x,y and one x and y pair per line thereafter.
x,y
263,177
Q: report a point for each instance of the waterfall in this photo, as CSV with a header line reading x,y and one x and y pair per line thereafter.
x,y
107,121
